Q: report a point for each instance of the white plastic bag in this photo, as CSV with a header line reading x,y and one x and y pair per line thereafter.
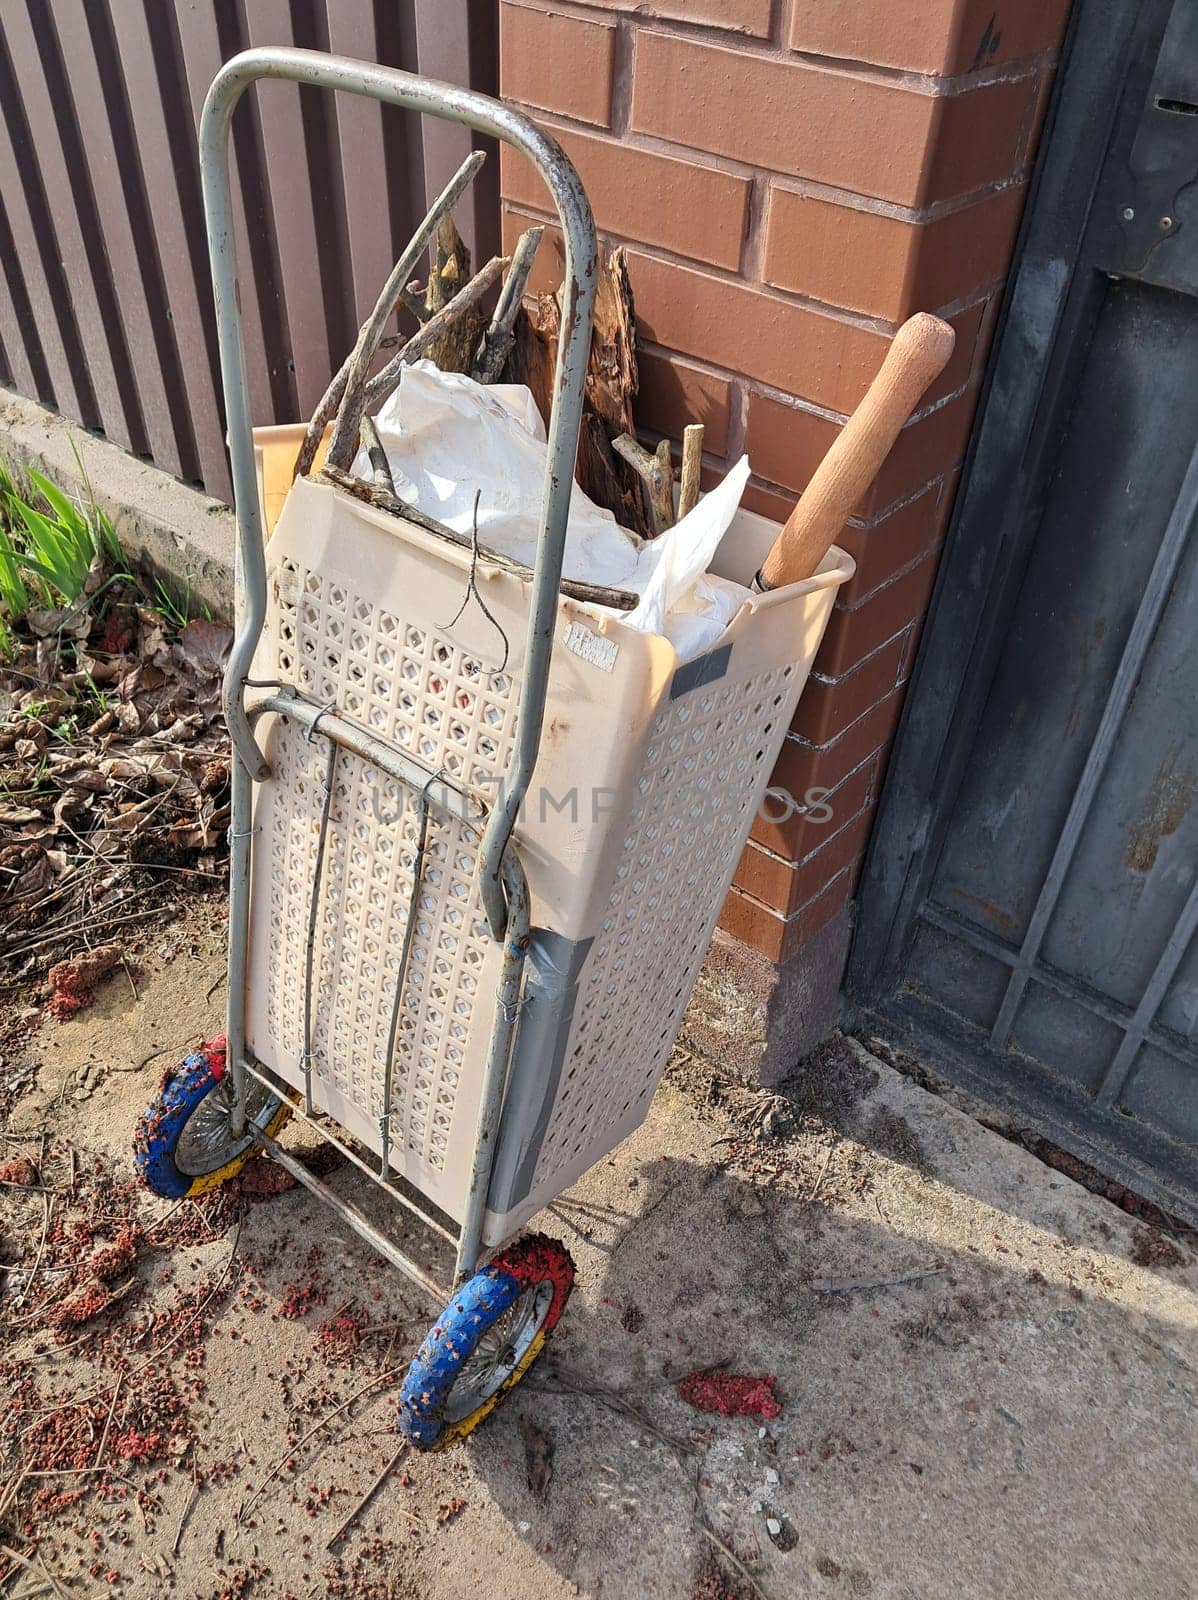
x,y
450,440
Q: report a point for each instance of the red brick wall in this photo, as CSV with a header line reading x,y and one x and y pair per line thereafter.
x,y
793,178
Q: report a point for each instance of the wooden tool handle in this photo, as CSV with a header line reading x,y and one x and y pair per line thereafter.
x,y
918,353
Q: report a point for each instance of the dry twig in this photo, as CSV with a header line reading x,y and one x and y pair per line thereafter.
x,y
186,1512
37,1567
99,1461
496,344
92,925
733,1560
23,1296
569,1383
823,1171
359,359
593,593
375,1383
851,1285
365,1499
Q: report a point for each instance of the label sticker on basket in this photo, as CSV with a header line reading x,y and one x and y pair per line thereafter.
x,y
592,647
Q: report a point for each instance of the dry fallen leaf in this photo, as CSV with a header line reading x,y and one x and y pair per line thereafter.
x,y
12,815
205,646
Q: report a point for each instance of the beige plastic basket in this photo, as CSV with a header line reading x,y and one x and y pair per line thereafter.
x,y
648,778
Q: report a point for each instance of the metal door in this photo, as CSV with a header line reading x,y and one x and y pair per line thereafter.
x,y
1030,904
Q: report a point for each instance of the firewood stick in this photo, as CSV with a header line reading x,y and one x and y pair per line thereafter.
x,y
497,342
380,467
692,463
665,472
372,495
359,388
372,328
656,471
355,402
380,386
413,298
362,393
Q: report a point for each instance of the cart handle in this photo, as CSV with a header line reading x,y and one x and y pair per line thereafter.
x,y
484,115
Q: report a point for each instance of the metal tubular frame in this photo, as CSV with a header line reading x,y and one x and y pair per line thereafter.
x,y
255,1070
502,885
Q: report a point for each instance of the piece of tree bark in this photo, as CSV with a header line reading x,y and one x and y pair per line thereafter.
x,y
413,299
611,385
533,357
453,350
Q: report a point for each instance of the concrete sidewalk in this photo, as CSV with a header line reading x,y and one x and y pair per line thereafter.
x,y
1018,1420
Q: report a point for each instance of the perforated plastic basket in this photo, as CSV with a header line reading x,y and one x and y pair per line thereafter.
x,y
648,778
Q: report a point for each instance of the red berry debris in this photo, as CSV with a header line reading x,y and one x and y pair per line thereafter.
x,y
72,982
113,1260
730,1394
340,1336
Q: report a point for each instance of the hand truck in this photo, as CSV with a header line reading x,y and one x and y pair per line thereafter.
x,y
366,944
220,1107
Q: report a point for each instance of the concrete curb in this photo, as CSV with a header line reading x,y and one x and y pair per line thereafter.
x,y
177,533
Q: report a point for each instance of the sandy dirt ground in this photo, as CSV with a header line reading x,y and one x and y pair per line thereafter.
x,y
986,1375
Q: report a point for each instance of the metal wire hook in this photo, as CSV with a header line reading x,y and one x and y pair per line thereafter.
x,y
331,705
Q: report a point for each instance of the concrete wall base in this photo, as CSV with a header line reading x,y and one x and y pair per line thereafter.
x,y
174,532
755,1020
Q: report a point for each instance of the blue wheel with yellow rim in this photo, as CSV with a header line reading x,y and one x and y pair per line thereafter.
x,y
184,1145
485,1340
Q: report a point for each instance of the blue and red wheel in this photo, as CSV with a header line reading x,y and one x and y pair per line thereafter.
x,y
484,1342
184,1144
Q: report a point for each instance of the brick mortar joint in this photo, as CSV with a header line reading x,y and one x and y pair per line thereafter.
x,y
864,524
672,258
838,679
738,419
830,792
793,916
895,578
871,205
801,743
812,408
769,291
795,866
752,254
932,85
623,68
785,182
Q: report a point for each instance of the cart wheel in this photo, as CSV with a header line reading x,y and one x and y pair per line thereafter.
x,y
484,1342
183,1145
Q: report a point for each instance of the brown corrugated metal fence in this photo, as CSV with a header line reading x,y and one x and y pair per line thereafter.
x,y
105,309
